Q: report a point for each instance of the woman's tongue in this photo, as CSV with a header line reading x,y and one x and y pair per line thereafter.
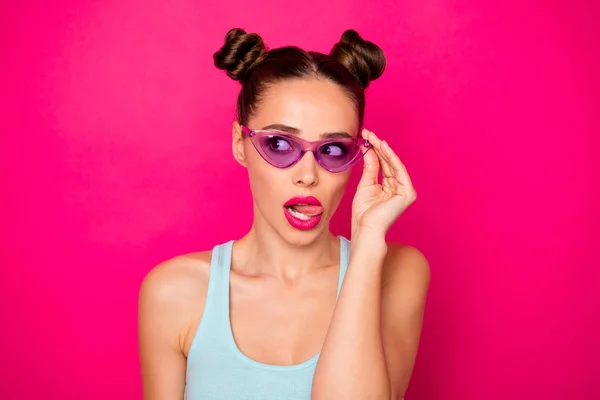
x,y
310,211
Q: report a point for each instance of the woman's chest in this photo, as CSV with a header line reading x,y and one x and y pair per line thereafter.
x,y
278,325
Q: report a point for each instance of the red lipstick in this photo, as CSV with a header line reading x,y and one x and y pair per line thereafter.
x,y
303,213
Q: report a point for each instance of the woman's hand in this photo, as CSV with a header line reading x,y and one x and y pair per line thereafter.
x,y
376,206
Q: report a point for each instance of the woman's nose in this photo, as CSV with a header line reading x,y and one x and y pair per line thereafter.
x,y
306,171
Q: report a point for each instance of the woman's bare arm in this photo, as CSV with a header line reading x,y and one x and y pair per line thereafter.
x,y
171,301
372,341
406,279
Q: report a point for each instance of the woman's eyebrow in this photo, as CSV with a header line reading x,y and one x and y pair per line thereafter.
x,y
296,131
336,135
282,128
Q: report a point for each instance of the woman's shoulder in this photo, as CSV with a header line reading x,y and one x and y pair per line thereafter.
x,y
171,301
179,283
405,261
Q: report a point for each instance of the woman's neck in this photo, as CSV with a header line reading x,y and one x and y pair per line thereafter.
x,y
265,251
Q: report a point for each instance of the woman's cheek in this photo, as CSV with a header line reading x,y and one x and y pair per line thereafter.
x,y
265,183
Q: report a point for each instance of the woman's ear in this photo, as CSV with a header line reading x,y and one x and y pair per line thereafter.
x,y
237,143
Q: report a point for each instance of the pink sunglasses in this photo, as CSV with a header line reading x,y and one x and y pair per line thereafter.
x,y
282,150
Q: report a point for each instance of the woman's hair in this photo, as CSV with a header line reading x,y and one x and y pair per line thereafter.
x,y
352,64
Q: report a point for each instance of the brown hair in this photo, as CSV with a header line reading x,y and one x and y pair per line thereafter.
x,y
352,64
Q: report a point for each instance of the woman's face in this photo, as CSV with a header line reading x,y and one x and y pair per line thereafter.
x,y
310,109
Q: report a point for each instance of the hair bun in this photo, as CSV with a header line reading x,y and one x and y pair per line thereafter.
x,y
241,52
364,59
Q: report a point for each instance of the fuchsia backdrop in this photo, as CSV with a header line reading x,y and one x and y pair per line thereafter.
x,y
115,155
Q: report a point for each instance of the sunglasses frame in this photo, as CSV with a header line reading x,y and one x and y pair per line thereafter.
x,y
256,134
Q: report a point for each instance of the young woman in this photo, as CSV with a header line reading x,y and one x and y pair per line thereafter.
x,y
290,311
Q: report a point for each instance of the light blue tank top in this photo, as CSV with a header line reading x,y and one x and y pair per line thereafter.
x,y
218,370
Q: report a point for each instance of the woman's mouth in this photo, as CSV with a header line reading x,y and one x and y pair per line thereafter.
x,y
303,212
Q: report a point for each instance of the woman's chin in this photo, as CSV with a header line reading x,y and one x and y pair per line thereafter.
x,y
303,237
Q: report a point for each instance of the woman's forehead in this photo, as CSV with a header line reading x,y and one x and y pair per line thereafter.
x,y
312,107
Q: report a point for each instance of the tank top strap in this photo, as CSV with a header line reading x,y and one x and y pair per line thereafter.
x,y
214,321
217,301
344,256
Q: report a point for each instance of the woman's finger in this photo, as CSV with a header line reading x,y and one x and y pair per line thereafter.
x,y
394,161
377,143
371,162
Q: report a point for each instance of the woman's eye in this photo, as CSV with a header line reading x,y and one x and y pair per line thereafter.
x,y
279,144
333,150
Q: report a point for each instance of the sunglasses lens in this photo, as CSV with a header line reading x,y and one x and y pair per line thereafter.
x,y
280,151
338,156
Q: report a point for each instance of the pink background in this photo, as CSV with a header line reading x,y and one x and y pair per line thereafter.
x,y
115,155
